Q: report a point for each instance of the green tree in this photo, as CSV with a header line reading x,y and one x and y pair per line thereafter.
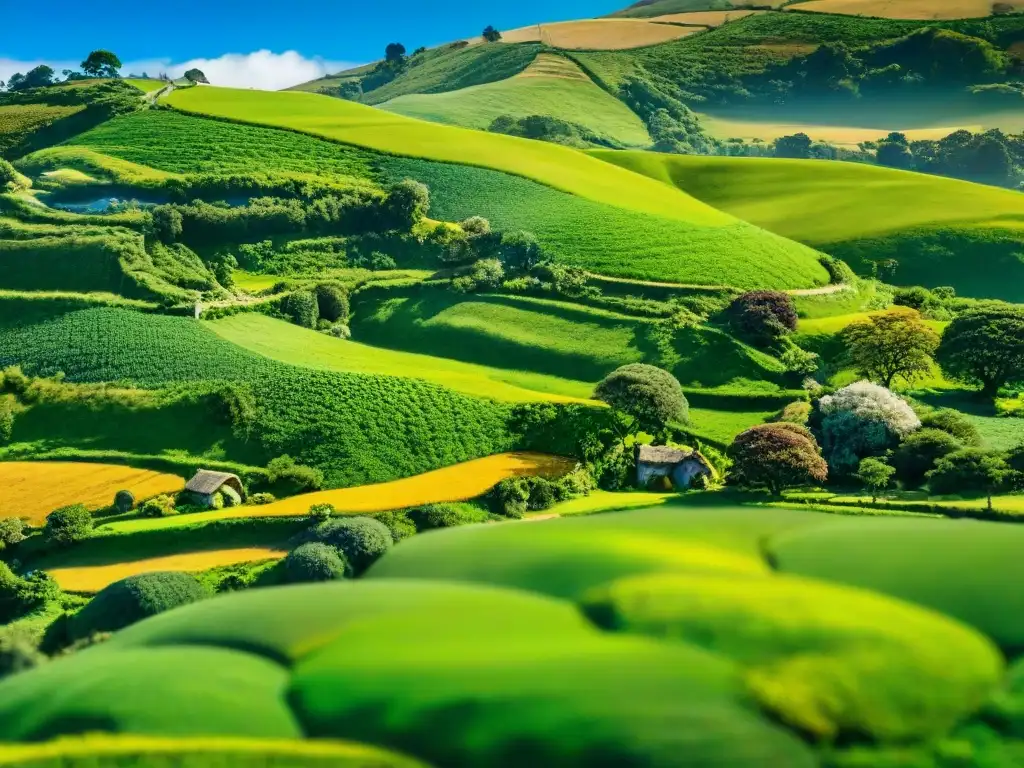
x,y
491,35
776,457
8,176
971,471
918,454
650,397
37,77
69,525
520,251
796,146
12,531
895,154
984,347
101,63
891,344
762,317
196,76
394,54
312,562
876,476
407,204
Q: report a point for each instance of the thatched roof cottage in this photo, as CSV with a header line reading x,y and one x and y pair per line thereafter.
x,y
678,465
206,485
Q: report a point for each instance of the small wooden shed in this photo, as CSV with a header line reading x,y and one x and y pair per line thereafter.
x,y
206,484
678,465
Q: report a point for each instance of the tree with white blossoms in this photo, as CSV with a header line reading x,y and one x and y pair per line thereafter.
x,y
861,420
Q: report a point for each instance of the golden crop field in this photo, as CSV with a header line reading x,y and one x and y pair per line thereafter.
x,y
908,9
704,18
93,578
33,490
598,34
457,483
553,65
841,135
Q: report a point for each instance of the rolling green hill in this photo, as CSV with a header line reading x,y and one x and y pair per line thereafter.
x,y
940,231
551,85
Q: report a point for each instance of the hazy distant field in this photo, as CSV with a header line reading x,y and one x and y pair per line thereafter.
x,y
907,9
598,34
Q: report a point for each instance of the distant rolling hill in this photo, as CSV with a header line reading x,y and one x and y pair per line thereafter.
x,y
940,231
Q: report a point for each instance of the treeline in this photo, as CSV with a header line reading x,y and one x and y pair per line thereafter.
x,y
992,157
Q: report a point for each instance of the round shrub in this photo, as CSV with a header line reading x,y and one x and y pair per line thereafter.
x,y
314,562
321,513
361,540
302,308
509,497
231,497
650,395
124,501
69,525
133,599
776,457
919,453
12,532
261,499
434,516
954,423
762,317
332,303
160,506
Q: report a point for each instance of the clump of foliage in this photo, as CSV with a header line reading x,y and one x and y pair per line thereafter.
x,y
124,501
332,303
101,63
20,595
891,344
776,457
12,532
509,498
919,453
433,516
303,309
875,475
861,420
69,525
160,506
984,347
971,470
285,470
762,317
262,499
648,396
18,651
360,540
553,129
314,561
130,600
954,423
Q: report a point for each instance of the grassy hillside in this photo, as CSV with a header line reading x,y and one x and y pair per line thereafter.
x,y
910,9
867,212
356,427
288,343
551,85
651,8
596,225
598,34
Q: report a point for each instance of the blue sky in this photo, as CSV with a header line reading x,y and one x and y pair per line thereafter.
x,y
319,34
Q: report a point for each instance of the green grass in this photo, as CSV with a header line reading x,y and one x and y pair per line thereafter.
x,y
358,428
664,7
559,90
148,751
92,163
608,501
828,660
964,569
549,337
288,343
19,121
834,206
146,85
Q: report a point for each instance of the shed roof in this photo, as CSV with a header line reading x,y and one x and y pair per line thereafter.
x,y
661,454
206,482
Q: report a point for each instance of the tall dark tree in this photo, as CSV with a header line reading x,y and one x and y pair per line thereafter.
x,y
38,77
796,146
394,53
101,63
650,397
491,35
762,317
196,76
776,457
984,347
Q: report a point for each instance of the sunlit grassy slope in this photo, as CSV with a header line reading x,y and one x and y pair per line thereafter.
x,y
551,86
550,164
941,231
290,344
146,85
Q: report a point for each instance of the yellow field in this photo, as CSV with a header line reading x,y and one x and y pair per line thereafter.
x,y
458,483
95,577
33,490
841,135
598,34
907,9
704,18
554,65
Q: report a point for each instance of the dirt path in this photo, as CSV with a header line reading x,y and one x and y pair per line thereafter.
x,y
823,290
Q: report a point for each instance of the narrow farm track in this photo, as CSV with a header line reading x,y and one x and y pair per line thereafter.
x,y
457,483
93,578
823,290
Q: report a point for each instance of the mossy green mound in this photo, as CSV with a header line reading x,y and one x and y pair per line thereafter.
x,y
829,660
964,569
456,675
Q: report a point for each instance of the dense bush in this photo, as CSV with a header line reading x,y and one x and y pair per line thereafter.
x,y
285,470
650,396
302,307
18,651
261,499
918,454
12,532
314,562
332,303
984,347
124,501
509,498
130,600
861,420
20,595
762,317
953,423
399,523
432,516
361,540
69,525
160,506
776,457
970,471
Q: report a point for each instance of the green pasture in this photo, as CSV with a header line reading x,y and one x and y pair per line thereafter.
x,y
146,85
93,164
279,340
343,652
941,231
562,91
556,166
551,337
356,427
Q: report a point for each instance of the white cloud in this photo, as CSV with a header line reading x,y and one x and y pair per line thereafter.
x,y
262,69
